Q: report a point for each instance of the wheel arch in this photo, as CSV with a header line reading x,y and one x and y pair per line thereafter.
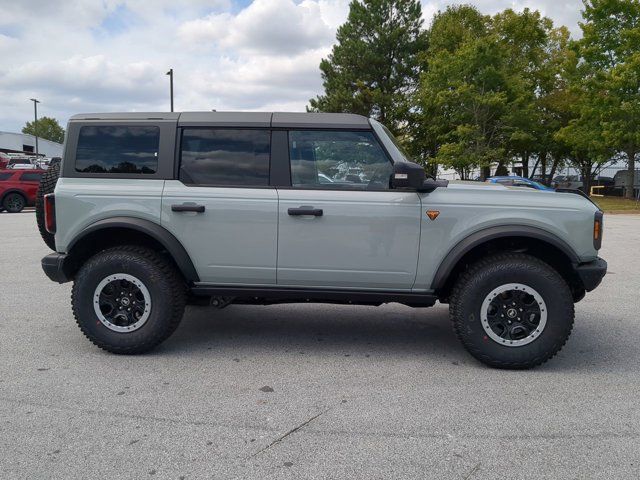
x,y
126,231
15,190
535,241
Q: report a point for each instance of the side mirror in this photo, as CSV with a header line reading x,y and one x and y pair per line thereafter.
x,y
407,175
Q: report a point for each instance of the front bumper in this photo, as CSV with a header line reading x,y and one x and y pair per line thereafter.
x,y
54,267
592,273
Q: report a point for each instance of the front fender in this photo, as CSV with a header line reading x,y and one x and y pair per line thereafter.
x,y
475,239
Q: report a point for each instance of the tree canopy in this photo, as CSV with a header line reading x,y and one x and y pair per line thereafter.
x,y
373,68
48,128
473,91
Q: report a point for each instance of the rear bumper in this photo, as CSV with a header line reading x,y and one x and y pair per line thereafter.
x,y
54,267
592,273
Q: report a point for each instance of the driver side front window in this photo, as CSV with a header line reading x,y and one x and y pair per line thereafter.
x,y
343,160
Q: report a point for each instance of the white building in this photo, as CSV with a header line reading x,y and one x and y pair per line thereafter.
x,y
21,142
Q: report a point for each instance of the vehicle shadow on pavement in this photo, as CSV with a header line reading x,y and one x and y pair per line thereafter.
x,y
391,329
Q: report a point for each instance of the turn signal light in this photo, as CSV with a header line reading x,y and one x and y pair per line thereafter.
x,y
50,213
597,230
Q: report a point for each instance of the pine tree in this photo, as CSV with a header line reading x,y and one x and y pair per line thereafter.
x,y
373,69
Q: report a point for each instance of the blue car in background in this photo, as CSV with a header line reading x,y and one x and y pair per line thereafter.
x,y
514,181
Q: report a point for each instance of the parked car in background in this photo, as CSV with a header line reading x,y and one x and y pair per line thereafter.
x,y
42,163
4,160
620,181
514,181
545,180
573,182
23,163
18,189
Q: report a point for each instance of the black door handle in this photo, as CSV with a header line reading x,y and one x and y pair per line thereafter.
x,y
187,207
316,212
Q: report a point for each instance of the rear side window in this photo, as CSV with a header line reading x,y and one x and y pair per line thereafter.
x,y
5,176
233,157
31,177
118,149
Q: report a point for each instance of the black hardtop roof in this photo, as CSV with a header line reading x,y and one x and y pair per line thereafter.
x,y
239,119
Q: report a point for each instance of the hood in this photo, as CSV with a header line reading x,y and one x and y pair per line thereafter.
x,y
495,194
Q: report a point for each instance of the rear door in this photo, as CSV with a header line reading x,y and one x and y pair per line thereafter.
x,y
340,225
221,207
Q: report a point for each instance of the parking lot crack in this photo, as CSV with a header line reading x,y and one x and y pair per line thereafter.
x,y
290,432
473,470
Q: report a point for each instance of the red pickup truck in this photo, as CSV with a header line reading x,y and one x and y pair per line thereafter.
x,y
18,189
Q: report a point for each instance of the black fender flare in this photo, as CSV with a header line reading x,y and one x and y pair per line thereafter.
x,y
477,238
155,231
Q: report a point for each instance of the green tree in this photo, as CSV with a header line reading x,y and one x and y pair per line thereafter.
x,y
48,128
610,50
373,68
524,37
555,100
429,124
466,91
585,144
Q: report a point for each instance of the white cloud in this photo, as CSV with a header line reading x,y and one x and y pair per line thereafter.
x,y
112,55
273,27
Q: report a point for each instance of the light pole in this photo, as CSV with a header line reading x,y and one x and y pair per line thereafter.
x,y
170,73
35,120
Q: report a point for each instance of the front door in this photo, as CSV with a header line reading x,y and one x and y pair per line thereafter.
x,y
222,208
340,225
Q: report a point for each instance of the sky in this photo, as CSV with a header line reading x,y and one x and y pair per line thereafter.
x,y
81,56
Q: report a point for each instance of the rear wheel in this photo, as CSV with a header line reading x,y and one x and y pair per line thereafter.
x,y
128,299
512,311
47,185
14,203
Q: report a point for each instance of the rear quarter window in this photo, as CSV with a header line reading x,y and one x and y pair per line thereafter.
x,y
118,149
5,176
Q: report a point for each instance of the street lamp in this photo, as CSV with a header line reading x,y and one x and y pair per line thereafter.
x,y
35,120
170,73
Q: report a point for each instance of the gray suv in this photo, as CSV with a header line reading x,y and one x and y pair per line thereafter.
x,y
152,211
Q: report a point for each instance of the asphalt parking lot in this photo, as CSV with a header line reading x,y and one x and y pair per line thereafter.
x,y
313,391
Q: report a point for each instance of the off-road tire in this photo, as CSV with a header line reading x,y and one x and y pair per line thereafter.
x,y
14,202
166,287
47,185
483,277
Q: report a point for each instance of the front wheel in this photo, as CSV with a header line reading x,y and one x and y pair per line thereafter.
x,y
512,311
128,299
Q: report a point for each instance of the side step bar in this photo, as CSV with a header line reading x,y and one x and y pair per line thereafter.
x,y
268,295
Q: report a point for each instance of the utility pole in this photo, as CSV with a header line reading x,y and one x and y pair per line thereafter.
x,y
35,121
170,73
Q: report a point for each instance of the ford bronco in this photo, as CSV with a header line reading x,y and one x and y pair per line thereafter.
x,y
152,211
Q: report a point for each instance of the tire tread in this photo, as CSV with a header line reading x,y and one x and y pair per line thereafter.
x,y
47,185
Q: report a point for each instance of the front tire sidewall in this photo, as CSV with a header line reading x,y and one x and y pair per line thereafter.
x,y
157,327
551,288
